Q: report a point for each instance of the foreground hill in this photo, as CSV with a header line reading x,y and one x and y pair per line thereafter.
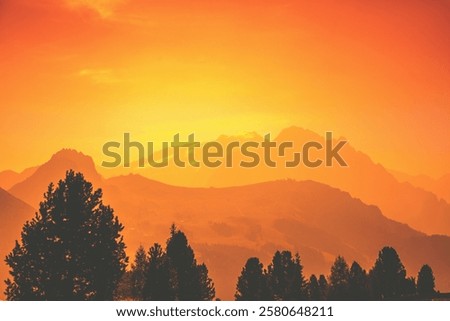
x,y
227,225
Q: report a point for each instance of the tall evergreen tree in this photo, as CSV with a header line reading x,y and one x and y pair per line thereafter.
x,y
314,291
138,270
388,276
425,282
339,280
123,291
183,261
71,250
207,289
323,286
358,283
286,279
159,276
252,283
410,288
175,274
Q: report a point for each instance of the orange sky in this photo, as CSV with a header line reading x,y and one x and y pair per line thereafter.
x,y
78,73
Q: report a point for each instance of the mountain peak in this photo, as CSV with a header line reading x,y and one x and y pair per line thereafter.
x,y
32,188
298,132
243,137
72,159
68,153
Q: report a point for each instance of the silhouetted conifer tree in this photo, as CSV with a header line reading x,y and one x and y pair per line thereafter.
x,y
388,276
358,283
314,292
339,280
175,274
323,286
123,290
252,283
183,261
410,289
137,275
425,282
159,277
71,250
286,279
207,289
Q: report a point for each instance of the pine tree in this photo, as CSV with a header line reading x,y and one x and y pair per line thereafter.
x,y
358,283
388,276
159,277
71,250
339,280
138,271
183,261
123,291
175,274
410,289
207,289
285,275
425,282
323,286
314,292
252,283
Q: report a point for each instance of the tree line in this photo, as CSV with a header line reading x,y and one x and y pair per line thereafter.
x,y
283,280
73,249
167,275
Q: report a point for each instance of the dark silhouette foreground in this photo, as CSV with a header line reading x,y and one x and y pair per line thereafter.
x,y
168,275
71,250
283,280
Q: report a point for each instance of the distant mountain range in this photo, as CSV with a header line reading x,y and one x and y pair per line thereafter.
x,y
10,178
13,214
227,225
439,186
406,202
32,189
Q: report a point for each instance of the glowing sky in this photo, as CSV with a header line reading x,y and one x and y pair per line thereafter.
x,y
79,73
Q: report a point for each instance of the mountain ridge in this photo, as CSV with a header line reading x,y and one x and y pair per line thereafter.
x,y
316,219
363,178
32,188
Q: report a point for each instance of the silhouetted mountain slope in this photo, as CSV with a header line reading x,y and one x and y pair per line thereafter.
x,y
227,224
440,186
363,179
32,189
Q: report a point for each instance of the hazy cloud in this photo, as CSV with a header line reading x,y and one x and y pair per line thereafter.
x,y
104,8
99,76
